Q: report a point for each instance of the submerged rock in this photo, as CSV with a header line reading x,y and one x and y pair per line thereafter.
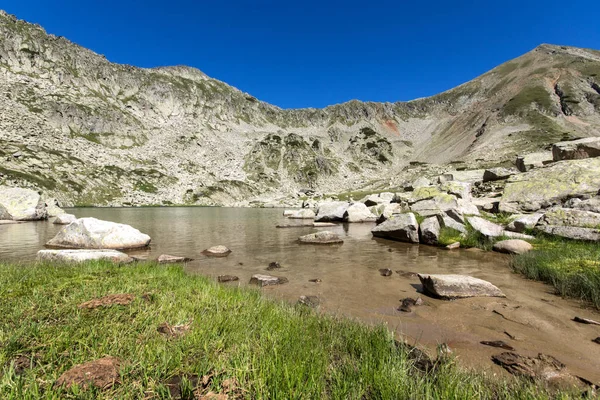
x,y
273,265
267,280
64,219
92,233
497,343
385,272
22,204
323,237
217,251
169,259
408,303
402,227
458,286
512,246
70,256
358,212
332,211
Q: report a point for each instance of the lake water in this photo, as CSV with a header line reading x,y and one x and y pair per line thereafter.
x,y
350,281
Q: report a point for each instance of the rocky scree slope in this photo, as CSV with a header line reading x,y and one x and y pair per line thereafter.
x,y
91,132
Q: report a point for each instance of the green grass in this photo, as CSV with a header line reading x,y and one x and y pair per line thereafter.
x,y
572,267
273,350
528,95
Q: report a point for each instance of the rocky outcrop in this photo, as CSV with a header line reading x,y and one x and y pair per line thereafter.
x,y
92,233
571,232
332,211
458,286
571,217
358,212
76,256
64,219
323,237
576,149
512,246
401,227
23,204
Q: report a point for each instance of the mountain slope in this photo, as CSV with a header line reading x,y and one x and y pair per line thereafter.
x,y
93,132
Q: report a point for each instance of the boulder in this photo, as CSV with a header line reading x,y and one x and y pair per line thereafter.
x,y
267,280
485,227
523,222
436,205
169,259
462,190
487,204
358,212
323,237
425,193
554,184
305,213
74,256
217,251
458,286
529,161
384,211
421,182
4,214
447,222
445,178
470,176
375,199
516,235
571,232
592,204
287,213
332,211
23,204
64,219
576,149
456,215
430,231
402,227
92,233
466,207
512,246
53,208
496,174
570,217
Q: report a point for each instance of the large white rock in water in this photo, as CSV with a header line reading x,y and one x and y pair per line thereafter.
x,y
358,212
82,255
305,213
332,211
64,219
53,208
458,286
92,233
23,204
402,227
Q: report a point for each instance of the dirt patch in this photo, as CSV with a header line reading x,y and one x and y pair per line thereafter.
x,y
112,299
182,386
173,331
23,363
102,373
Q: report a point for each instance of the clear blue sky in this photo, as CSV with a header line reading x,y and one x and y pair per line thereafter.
x,y
315,53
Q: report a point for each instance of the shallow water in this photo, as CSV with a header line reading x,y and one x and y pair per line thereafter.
x,y
351,284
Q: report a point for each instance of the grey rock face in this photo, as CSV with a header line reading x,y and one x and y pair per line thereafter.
x,y
430,231
332,211
358,212
323,237
23,204
576,149
421,182
64,219
402,227
92,233
592,204
486,228
435,205
571,232
571,217
458,286
74,256
512,246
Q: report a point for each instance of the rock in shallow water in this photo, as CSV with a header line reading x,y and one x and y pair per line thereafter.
x,y
324,237
358,212
512,246
267,280
217,251
332,211
71,256
169,259
305,213
64,219
430,231
92,233
402,227
22,204
458,286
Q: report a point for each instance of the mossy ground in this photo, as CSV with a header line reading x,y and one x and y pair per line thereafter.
x,y
271,350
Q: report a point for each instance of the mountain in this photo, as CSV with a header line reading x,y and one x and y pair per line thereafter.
x,y
92,132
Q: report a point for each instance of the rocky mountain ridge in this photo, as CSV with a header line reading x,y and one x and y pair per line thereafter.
x,y
91,132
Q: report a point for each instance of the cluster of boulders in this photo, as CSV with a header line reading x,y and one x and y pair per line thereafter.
x,y
18,204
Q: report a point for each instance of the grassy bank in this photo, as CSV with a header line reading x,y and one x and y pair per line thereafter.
x,y
268,349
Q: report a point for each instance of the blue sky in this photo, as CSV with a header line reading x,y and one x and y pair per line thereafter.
x,y
316,53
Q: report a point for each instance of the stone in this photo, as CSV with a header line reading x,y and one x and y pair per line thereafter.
x,y
529,161
571,232
385,272
488,204
287,213
53,208
358,212
217,251
570,217
462,190
331,211
576,149
551,185
446,222
435,205
496,174
421,182
430,231
173,331
586,321
322,224
376,199
102,374
309,301
227,278
64,219
4,214
385,211
402,227
425,193
453,246
458,286
486,228
497,343
92,233
273,265
592,204
456,215
23,204
445,178
512,246
517,235
524,222
169,259
267,280
75,256
305,213
408,303
470,176
323,237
